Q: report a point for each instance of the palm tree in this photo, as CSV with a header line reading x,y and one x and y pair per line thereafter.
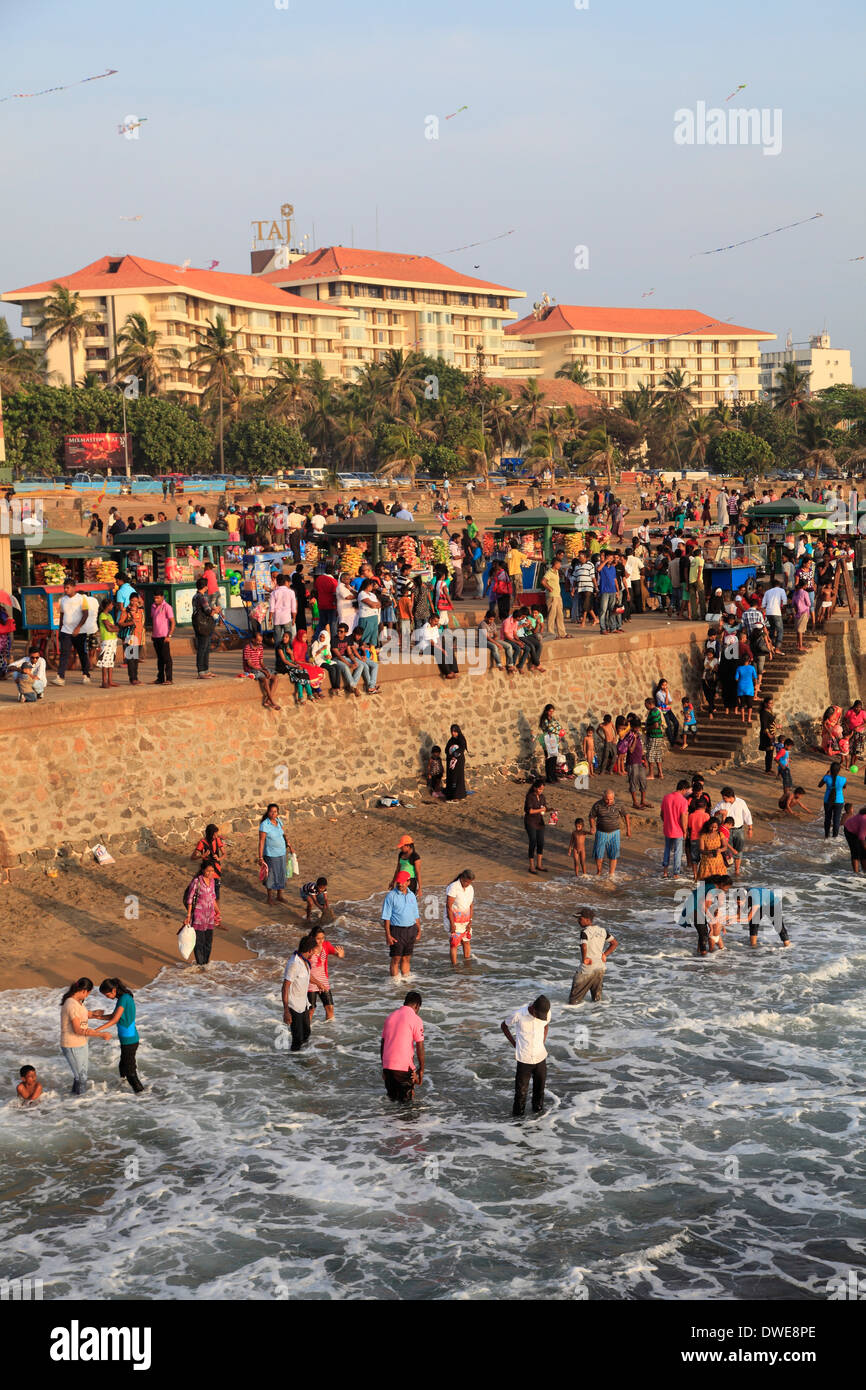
x,y
576,372
20,366
604,453
697,434
402,374
139,354
400,453
530,403
813,444
473,450
320,422
91,381
289,395
221,362
722,415
677,394
791,389
353,439
64,318
370,390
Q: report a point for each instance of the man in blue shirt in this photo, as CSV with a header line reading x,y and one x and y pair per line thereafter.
x,y
124,593
400,917
607,618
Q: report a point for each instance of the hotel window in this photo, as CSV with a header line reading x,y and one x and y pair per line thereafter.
x,y
381,318
602,361
304,346
320,345
177,304
335,289
730,347
381,337
257,318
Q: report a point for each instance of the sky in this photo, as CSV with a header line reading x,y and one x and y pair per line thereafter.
x,y
567,142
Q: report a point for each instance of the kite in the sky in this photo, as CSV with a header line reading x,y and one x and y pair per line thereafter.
x,y
737,89
457,112
132,125
213,265
181,268
787,227
17,96
480,243
646,294
856,258
137,218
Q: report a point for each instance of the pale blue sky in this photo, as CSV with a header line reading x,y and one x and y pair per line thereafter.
x,y
568,138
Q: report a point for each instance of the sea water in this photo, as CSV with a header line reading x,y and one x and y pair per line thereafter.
x,y
702,1136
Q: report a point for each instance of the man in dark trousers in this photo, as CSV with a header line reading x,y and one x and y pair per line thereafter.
x,y
402,1040
526,1030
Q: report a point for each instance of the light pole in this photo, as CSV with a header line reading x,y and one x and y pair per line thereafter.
x,y
130,392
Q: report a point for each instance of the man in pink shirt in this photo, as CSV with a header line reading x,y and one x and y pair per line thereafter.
x,y
162,621
402,1036
675,820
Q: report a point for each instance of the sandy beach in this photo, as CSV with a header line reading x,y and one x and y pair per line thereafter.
x,y
81,922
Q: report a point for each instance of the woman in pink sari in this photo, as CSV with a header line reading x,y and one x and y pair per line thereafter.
x,y
833,740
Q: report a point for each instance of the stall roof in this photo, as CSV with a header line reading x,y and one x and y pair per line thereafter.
x,y
55,543
536,518
790,506
374,524
171,533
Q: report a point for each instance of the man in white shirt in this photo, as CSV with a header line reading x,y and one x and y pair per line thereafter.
x,y
772,603
202,518
455,550
78,614
459,906
294,523
403,514
633,570
735,807
596,944
526,1030
318,522
283,608
296,984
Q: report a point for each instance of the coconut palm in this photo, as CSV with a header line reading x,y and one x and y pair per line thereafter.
x,y
20,366
813,444
139,354
791,390
353,439
400,453
64,319
576,372
604,453
677,393
288,395
697,435
530,403
403,378
218,359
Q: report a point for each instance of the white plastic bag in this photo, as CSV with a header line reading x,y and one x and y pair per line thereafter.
x,y
293,865
186,941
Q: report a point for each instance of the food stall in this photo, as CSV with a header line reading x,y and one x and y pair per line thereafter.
x,y
371,538
39,569
540,532
172,557
777,522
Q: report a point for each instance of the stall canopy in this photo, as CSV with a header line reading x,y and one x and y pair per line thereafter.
x,y
168,535
789,506
544,519
375,528
55,543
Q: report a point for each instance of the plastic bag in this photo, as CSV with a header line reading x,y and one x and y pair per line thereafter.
x,y
186,941
295,867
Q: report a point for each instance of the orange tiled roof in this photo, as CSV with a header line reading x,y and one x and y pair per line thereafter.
x,y
336,262
650,323
135,273
555,392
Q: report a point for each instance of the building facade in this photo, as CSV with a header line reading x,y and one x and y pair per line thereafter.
x,y
177,303
403,301
828,366
623,349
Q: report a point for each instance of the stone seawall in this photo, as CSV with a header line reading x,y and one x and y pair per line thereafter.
x,y
151,766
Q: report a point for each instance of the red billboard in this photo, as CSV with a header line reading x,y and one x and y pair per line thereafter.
x,y
95,453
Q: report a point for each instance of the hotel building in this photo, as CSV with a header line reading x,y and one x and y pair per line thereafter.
x,y
828,366
177,303
402,301
624,348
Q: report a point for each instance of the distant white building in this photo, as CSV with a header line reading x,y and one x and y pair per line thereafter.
x,y
828,366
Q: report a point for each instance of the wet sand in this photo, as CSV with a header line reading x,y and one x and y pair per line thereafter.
x,y
81,922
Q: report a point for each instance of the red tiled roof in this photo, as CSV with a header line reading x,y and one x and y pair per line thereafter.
x,y
135,273
655,323
336,262
555,392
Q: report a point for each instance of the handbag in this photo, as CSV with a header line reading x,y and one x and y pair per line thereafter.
x,y
263,872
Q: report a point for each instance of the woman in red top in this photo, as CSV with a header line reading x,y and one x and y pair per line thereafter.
x,y
299,654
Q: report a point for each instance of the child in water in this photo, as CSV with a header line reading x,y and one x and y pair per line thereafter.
x,y
316,893
577,847
29,1087
435,772
789,800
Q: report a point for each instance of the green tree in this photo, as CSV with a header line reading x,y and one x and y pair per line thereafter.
x,y
740,453
791,389
256,446
64,320
20,366
576,372
168,437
